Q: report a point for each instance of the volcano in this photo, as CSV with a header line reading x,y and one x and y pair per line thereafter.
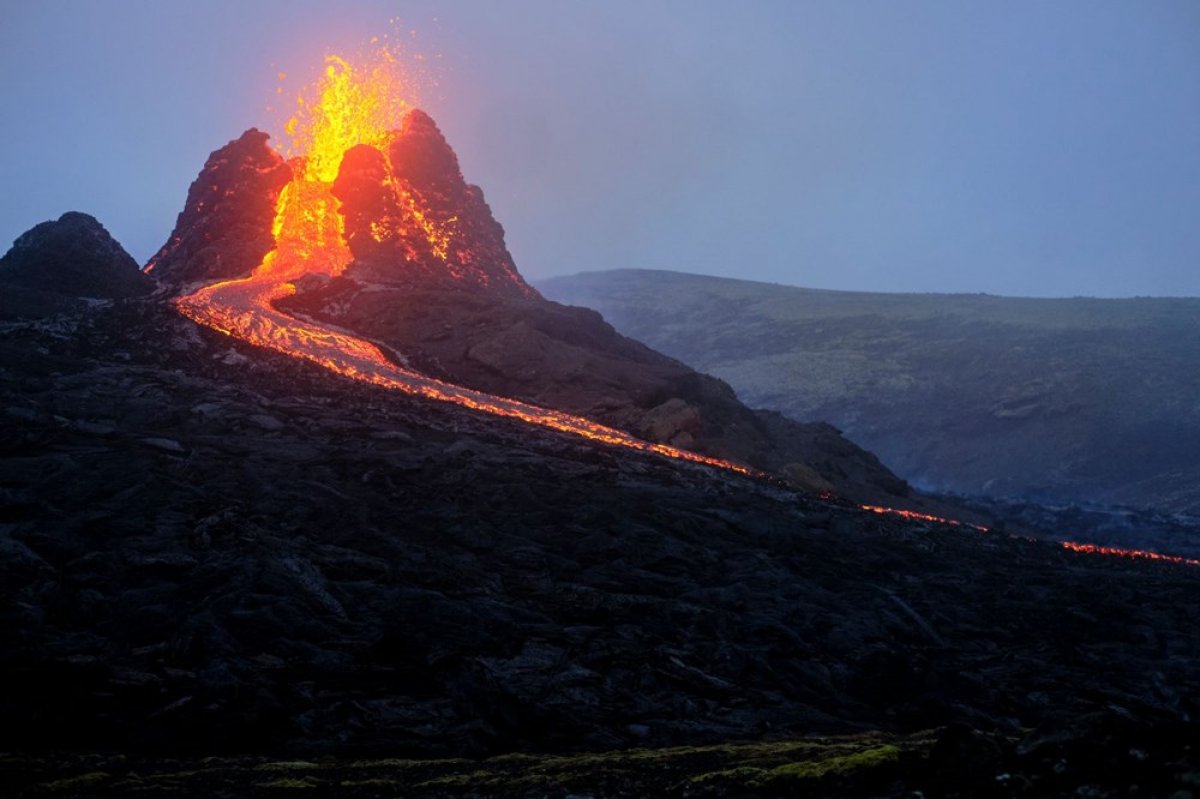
x,y
344,505
383,264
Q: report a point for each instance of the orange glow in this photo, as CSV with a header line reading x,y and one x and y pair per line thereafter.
x,y
1073,546
243,309
352,106
349,105
923,517
1132,554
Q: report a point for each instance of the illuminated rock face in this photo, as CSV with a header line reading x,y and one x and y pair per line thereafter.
x,y
396,245
73,256
410,216
224,230
407,215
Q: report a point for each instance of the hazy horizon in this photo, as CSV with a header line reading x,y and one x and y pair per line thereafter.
x,y
1019,150
571,275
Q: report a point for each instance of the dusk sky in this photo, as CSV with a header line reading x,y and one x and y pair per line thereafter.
x,y
1036,148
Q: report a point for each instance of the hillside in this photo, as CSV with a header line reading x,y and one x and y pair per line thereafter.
x,y
354,520
1059,400
213,549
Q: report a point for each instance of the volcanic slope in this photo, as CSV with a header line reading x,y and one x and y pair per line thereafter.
x,y
1062,400
419,265
212,546
209,547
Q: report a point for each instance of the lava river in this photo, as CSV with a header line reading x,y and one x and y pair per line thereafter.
x,y
243,309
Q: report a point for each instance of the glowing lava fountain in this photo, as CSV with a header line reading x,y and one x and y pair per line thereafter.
x,y
353,106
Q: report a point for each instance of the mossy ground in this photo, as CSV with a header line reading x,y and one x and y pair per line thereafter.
x,y
825,766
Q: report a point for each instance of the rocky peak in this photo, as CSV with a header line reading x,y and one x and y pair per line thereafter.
x,y
390,219
72,256
379,228
420,153
409,215
224,229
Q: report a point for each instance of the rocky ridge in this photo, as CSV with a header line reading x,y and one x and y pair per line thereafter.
x,y
1056,401
571,359
73,256
224,229
381,196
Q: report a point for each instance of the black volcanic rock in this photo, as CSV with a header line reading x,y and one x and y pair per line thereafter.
x,y
210,548
445,293
72,256
422,156
569,358
390,242
466,315
224,230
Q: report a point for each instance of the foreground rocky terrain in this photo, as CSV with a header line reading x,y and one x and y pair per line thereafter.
x,y
1059,401
227,570
208,549
1104,754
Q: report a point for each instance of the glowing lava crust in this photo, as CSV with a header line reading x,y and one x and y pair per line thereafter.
x,y
353,107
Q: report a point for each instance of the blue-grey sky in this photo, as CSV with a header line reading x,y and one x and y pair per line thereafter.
x,y
1028,148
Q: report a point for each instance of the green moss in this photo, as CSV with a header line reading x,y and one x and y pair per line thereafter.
x,y
290,782
836,766
742,775
400,763
514,758
780,766
472,780
287,765
89,780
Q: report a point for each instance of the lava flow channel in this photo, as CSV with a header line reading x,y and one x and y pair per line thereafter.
x,y
243,309
1072,546
357,107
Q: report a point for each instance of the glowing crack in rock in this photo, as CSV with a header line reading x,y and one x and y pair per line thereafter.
x,y
354,106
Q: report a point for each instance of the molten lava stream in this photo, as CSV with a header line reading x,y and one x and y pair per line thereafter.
x,y
243,309
1073,546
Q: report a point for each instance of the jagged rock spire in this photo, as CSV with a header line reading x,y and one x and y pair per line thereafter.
x,y
224,229
422,220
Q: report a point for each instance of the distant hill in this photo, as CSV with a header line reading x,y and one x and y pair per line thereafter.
x,y
1060,400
